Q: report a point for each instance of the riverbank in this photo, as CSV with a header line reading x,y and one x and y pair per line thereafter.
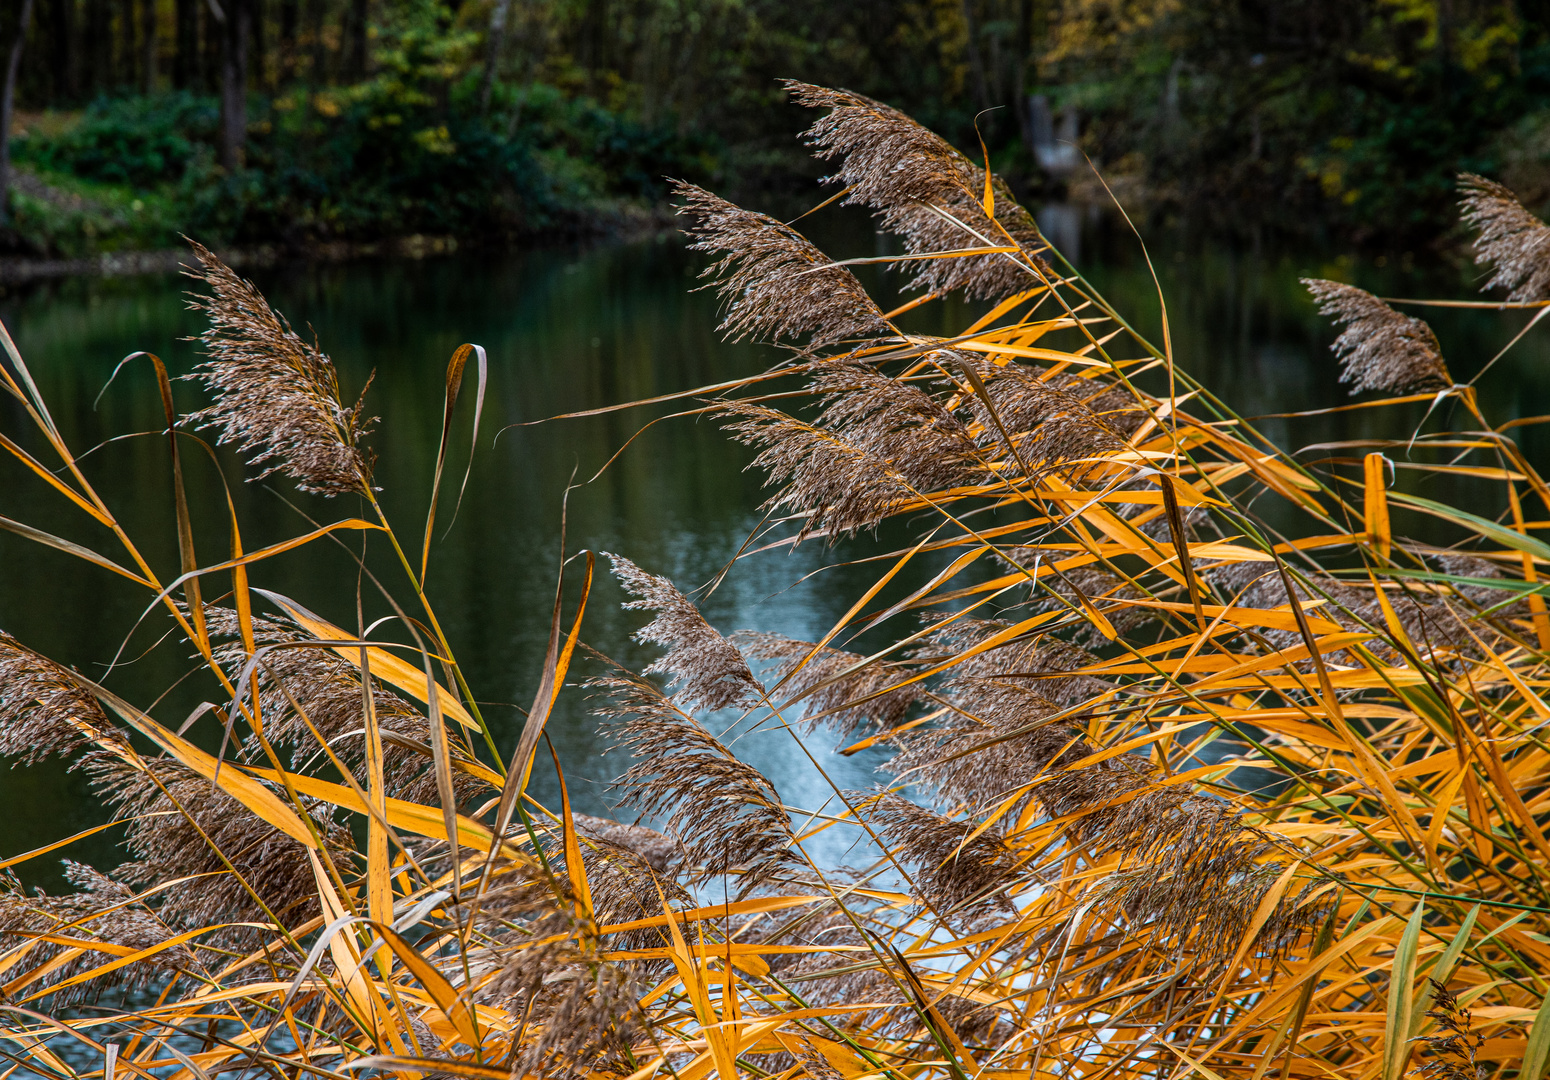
x,y
624,226
333,174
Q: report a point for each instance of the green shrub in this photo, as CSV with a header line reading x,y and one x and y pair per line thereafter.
x,y
140,141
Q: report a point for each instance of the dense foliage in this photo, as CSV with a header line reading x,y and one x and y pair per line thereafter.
x,y
496,116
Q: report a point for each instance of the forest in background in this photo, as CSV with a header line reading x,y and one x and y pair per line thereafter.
x,y
300,122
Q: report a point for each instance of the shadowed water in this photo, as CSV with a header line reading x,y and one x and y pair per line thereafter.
x,y
565,330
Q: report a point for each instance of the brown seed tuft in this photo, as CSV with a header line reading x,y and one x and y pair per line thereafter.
x,y
276,397
775,283
579,1012
101,911
955,872
926,192
658,851
1516,241
1379,349
300,681
835,486
176,822
43,710
1051,427
725,811
1042,663
826,684
972,758
1452,1051
707,669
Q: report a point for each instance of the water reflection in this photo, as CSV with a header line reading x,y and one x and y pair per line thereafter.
x,y
570,330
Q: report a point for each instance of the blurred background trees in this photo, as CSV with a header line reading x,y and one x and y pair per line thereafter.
x,y
301,120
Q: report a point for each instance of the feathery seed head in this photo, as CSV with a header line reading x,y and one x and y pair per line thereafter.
x,y
1511,238
43,710
725,811
102,910
926,192
1379,349
276,397
847,699
707,669
835,486
954,870
177,820
304,683
775,283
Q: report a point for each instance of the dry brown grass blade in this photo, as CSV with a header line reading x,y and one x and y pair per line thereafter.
x,y
556,664
455,368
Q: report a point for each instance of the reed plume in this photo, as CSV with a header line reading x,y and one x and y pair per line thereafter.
x,y
724,811
877,443
707,670
927,193
1513,239
814,1065
658,851
1379,349
43,710
955,872
775,283
1051,428
276,397
997,739
845,689
1453,1050
305,685
897,422
101,910
835,487
577,1010
1042,663
217,863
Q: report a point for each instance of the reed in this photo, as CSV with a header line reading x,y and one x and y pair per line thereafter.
x,y
1197,766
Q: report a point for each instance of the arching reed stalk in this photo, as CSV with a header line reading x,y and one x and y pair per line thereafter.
x,y
1169,791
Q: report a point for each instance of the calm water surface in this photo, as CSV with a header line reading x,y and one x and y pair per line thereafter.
x,y
566,330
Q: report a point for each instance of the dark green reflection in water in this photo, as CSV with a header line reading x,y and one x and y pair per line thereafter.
x,y
566,330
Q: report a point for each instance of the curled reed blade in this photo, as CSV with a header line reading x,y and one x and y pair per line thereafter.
x,y
455,367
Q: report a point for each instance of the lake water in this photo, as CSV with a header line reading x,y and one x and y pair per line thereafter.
x,y
567,330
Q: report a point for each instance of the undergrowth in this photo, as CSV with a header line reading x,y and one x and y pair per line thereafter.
x,y
1140,602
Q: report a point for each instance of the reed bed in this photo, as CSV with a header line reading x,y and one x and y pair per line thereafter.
x,y
1134,601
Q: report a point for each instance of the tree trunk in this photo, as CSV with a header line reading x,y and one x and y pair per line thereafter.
x,y
260,60
976,61
148,60
492,57
7,103
1022,56
185,58
63,52
95,45
129,55
235,20
212,47
286,60
317,13
355,40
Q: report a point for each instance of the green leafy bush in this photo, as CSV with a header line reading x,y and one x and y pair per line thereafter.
x,y
140,141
